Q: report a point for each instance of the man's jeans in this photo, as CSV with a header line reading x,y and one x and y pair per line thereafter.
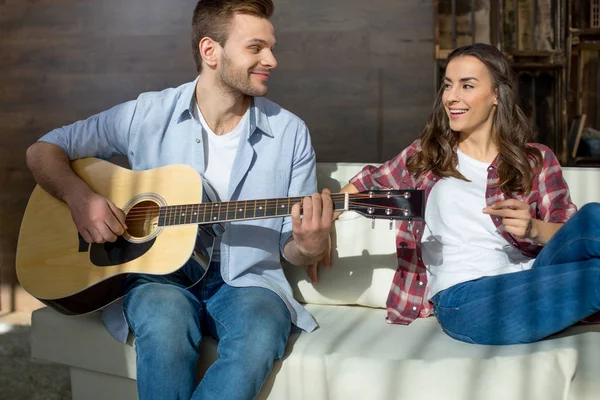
x,y
251,324
562,288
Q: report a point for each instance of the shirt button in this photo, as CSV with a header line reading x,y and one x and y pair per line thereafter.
x,y
197,140
414,308
420,283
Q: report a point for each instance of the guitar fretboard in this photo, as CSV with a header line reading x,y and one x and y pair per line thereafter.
x,y
205,213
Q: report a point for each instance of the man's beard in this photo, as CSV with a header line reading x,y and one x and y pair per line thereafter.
x,y
237,80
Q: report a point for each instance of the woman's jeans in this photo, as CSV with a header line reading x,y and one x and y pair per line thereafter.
x,y
562,288
251,324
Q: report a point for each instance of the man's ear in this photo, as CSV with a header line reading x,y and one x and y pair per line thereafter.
x,y
210,51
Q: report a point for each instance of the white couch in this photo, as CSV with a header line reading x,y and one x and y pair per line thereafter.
x,y
355,354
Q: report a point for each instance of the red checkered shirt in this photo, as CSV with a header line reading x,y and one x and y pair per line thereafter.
x,y
549,200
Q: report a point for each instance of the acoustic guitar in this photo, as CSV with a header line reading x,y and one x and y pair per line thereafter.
x,y
163,212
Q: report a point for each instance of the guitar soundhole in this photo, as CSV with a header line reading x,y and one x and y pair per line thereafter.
x,y
142,220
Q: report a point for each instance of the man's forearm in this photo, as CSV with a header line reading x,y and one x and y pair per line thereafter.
x,y
51,168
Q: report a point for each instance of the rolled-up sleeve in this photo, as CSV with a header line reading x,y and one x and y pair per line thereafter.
x,y
554,199
102,135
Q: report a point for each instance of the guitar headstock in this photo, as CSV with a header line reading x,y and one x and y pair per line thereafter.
x,y
389,204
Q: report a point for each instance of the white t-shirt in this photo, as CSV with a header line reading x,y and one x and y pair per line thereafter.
x,y
460,243
219,154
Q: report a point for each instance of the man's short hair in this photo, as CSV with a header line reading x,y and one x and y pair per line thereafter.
x,y
212,17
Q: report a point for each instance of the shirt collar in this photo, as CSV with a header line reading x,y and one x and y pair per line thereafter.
x,y
493,165
259,121
184,108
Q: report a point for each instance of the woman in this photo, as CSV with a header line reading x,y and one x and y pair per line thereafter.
x,y
503,257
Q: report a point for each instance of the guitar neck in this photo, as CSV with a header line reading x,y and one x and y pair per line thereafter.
x,y
240,210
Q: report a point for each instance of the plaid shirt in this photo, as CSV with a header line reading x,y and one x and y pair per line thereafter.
x,y
549,200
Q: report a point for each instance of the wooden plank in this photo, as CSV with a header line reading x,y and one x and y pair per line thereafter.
x,y
80,91
348,87
22,21
402,126
323,50
342,133
100,55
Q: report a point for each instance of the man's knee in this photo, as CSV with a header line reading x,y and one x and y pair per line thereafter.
x,y
160,309
270,331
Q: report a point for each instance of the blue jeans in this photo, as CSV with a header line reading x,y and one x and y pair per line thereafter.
x,y
562,288
251,324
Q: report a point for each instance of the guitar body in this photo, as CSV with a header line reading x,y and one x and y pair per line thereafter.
x,y
57,267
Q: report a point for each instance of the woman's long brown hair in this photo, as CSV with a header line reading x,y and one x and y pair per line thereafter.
x,y
511,130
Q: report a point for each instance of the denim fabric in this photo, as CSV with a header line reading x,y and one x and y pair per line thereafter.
x,y
562,288
251,324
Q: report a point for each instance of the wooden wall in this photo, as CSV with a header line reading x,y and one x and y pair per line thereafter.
x,y
360,73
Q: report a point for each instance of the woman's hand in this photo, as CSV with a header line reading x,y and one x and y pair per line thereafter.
x,y
515,217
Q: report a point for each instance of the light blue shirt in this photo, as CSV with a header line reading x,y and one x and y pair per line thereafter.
x,y
275,158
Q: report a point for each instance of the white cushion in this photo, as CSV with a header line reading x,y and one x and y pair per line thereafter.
x,y
542,376
80,341
363,257
356,355
363,263
583,184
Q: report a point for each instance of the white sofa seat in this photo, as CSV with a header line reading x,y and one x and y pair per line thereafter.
x,y
355,354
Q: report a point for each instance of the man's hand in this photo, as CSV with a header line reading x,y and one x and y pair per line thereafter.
x,y
311,269
96,218
515,217
311,223
311,226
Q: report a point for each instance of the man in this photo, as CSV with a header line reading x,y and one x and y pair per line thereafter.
x,y
247,148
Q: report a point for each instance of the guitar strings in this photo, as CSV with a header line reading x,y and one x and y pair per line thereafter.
x,y
351,207
145,212
268,203
268,208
